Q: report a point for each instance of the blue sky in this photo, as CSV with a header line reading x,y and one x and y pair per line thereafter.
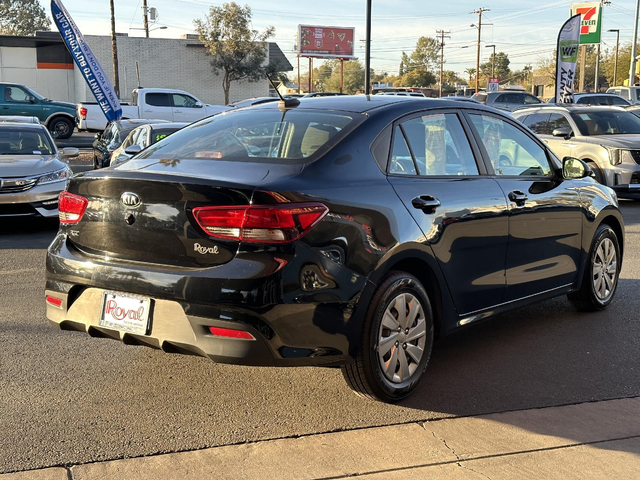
x,y
524,30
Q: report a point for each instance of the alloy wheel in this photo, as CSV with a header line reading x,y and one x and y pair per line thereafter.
x,y
604,270
401,338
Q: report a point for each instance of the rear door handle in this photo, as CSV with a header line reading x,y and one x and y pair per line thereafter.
x,y
426,203
518,197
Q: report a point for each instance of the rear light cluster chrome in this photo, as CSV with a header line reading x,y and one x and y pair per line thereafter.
x,y
71,207
283,223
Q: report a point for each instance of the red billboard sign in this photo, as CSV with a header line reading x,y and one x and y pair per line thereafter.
x,y
325,42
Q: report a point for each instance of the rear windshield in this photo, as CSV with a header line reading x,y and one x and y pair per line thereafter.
x,y
22,141
481,97
255,134
613,122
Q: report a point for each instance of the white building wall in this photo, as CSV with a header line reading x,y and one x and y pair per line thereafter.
x,y
164,63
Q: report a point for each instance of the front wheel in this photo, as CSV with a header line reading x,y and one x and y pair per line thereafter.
x,y
61,127
396,343
601,274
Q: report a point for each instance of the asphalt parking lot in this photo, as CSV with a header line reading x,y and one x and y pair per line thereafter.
x,y
68,398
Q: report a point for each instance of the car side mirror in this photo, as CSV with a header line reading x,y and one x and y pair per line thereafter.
x,y
564,132
199,105
70,152
32,99
575,169
97,136
133,150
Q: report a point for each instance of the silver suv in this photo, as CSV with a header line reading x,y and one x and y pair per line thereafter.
x,y
507,100
32,170
607,138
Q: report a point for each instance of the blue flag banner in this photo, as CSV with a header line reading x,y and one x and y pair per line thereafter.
x,y
87,62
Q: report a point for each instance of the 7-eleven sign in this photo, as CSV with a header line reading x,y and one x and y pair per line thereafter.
x,y
591,25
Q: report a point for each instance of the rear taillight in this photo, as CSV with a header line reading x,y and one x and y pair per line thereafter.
x,y
71,207
283,223
231,333
83,113
54,301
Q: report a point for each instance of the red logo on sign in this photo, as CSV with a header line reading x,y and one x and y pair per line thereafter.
x,y
587,14
120,314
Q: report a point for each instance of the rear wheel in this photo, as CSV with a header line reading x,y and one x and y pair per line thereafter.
x,y
61,127
601,273
397,341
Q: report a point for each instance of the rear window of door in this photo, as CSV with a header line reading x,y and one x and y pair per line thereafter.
x,y
530,100
511,151
158,99
615,100
437,144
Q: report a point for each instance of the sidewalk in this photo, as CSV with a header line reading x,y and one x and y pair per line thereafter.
x,y
589,440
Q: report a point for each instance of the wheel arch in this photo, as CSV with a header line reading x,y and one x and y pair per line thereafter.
x,y
53,116
615,224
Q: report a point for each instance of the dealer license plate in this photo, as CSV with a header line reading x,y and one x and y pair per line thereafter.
x,y
125,312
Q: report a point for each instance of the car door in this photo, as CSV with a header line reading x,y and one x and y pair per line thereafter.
x,y
158,106
186,108
461,211
545,213
18,101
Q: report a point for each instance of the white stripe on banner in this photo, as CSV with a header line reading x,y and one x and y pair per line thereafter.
x,y
87,62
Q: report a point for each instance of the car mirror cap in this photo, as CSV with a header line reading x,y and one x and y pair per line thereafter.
x,y
70,152
133,149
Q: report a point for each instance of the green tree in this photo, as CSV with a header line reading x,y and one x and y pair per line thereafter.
x,y
426,54
502,70
238,51
353,78
417,77
22,17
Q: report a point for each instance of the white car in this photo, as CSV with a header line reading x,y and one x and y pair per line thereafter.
x,y
33,171
151,103
629,93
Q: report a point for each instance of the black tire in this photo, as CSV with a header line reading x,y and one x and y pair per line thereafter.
x,y
95,162
365,376
598,175
587,299
61,127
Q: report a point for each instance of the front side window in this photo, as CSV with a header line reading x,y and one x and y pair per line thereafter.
x,y
530,100
615,100
16,95
538,122
510,150
266,134
141,139
439,145
557,120
184,101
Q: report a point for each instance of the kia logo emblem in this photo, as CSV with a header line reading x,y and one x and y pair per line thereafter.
x,y
130,199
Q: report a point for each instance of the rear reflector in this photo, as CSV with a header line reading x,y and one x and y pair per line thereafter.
x,y
282,223
71,207
231,333
54,301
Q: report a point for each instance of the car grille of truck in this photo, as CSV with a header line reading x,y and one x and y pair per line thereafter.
x,y
17,185
636,156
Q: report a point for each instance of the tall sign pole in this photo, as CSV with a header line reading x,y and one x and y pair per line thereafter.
x,y
479,12
634,50
367,52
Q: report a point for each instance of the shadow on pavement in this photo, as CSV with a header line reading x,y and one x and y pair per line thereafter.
x,y
27,233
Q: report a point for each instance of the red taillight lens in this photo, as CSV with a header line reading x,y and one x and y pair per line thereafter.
x,y
230,333
83,113
71,207
261,223
54,301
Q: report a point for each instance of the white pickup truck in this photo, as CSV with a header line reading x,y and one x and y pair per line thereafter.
x,y
150,103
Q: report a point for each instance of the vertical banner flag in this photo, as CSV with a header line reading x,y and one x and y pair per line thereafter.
x,y
566,59
87,62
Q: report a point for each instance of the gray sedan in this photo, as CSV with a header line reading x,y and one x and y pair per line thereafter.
x,y
32,170
607,138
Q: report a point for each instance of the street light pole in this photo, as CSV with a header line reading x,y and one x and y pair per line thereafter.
x,y
367,52
479,26
634,52
615,67
493,60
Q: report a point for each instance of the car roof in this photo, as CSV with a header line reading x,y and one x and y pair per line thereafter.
x,y
31,126
176,125
141,121
571,108
360,103
18,119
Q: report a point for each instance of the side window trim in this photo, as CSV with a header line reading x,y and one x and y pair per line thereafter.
x,y
468,130
406,141
485,153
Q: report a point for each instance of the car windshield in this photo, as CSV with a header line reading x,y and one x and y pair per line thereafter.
x,y
611,122
23,141
257,135
35,94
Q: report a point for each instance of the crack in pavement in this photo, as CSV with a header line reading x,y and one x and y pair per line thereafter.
x,y
459,460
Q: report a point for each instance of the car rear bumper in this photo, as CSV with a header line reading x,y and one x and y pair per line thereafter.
x,y
41,200
290,327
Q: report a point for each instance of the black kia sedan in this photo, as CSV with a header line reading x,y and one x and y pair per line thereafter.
x,y
343,231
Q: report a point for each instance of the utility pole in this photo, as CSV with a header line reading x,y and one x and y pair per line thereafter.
x,y
114,50
299,86
480,11
367,52
442,35
145,16
634,52
615,65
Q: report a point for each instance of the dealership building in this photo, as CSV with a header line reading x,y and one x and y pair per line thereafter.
x,y
43,63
